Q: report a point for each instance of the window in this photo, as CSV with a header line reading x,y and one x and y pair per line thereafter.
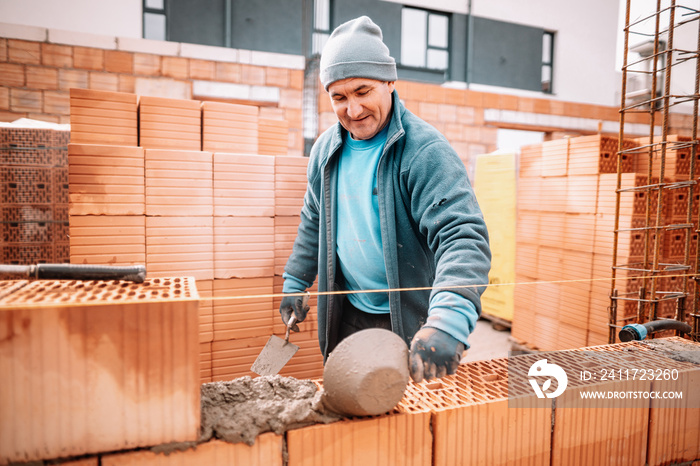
x,y
547,61
322,25
424,39
154,20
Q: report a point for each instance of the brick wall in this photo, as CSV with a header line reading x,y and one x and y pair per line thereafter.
x,y
486,413
37,75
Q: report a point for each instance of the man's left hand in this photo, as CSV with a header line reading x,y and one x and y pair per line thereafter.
x,y
434,353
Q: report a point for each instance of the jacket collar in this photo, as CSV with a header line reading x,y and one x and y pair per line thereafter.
x,y
395,128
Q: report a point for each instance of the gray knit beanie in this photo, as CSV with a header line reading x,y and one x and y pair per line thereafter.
x,y
355,50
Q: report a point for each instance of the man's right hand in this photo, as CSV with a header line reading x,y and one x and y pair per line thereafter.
x,y
296,304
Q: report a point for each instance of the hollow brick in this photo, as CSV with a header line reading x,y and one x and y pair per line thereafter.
x,y
72,78
113,386
202,69
393,439
175,67
88,58
13,74
58,56
3,49
22,51
117,61
103,81
26,100
147,64
57,102
267,451
4,98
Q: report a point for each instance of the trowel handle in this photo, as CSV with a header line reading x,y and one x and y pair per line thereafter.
x,y
290,324
293,318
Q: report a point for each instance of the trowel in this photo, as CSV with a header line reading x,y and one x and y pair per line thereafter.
x,y
277,351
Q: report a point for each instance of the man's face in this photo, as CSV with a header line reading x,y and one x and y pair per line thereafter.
x,y
363,106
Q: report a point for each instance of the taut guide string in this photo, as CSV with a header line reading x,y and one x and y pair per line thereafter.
x,y
451,287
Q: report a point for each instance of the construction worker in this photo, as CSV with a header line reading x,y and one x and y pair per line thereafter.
x,y
388,207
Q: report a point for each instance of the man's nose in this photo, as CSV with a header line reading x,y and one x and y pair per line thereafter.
x,y
354,109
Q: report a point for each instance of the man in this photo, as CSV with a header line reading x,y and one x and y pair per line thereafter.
x,y
389,221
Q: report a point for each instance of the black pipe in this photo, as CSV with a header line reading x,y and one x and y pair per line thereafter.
x,y
637,332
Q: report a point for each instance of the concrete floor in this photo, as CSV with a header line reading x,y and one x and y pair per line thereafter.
x,y
487,343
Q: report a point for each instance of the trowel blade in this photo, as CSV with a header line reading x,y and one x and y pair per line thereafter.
x,y
276,353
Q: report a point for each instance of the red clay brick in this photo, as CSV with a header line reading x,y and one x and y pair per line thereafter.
x,y
456,97
87,58
396,439
57,102
108,239
42,78
72,78
153,393
435,94
3,49
487,100
114,187
542,106
228,72
25,101
202,69
277,77
267,451
22,51
127,83
59,56
474,99
296,79
12,75
147,64
557,107
4,98
103,81
508,102
118,61
176,67
251,74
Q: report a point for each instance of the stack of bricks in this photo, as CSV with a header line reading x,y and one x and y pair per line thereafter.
x,y
565,223
34,172
206,192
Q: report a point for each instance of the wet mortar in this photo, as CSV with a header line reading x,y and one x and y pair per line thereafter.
x,y
241,409
677,350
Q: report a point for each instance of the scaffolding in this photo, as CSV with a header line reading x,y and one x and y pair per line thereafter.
x,y
655,258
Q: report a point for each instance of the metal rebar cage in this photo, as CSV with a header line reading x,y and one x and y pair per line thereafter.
x,y
657,207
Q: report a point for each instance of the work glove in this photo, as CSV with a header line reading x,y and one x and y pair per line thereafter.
x,y
296,304
434,353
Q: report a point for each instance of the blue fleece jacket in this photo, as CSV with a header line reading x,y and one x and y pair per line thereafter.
x,y
434,239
